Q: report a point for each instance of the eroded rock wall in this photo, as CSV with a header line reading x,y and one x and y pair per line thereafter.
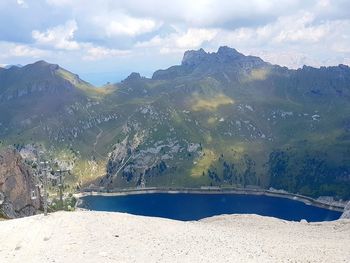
x,y
16,186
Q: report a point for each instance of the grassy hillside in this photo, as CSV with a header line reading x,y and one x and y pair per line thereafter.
x,y
217,119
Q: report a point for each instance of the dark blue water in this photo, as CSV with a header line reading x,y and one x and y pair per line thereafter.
x,y
197,206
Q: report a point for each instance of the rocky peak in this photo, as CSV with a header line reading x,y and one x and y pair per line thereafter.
x,y
194,57
222,56
201,63
227,52
343,66
43,64
133,77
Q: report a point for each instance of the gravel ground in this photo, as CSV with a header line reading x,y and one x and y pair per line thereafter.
x,y
86,236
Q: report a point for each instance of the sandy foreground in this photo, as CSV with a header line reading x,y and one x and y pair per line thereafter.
x,y
85,236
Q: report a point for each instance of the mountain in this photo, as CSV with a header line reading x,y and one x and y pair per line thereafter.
x,y
38,97
227,62
40,77
10,66
219,118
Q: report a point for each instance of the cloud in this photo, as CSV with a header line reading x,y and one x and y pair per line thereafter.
x,y
195,37
60,2
295,40
95,53
126,25
62,37
154,33
22,4
288,41
195,13
179,41
299,28
16,50
291,59
25,51
59,37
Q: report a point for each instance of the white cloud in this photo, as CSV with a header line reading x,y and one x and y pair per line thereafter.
x,y
194,13
60,2
22,3
125,25
96,53
295,40
25,51
341,47
14,50
195,37
290,59
294,59
62,38
59,37
180,41
155,33
311,30
299,28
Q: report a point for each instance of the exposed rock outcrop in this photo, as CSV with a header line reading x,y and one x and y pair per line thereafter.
x,y
16,186
346,213
198,63
134,76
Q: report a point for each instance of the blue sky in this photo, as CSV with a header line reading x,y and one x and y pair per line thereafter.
x,y
105,40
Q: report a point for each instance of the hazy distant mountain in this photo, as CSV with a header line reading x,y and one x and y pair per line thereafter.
x,y
227,62
10,66
219,118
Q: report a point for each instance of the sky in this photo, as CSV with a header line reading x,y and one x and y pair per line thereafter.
x,y
105,40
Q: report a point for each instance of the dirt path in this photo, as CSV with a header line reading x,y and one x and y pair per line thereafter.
x,y
97,138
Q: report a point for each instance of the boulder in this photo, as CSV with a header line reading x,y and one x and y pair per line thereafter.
x,y
17,185
346,213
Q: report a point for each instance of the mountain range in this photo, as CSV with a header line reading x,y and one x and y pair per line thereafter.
x,y
217,119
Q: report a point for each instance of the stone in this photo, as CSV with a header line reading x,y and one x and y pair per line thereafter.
x,y
346,213
16,186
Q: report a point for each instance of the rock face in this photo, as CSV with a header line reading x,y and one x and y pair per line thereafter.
x,y
223,55
16,186
134,76
346,213
198,63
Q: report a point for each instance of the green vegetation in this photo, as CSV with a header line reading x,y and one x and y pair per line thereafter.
x,y
210,104
224,122
68,204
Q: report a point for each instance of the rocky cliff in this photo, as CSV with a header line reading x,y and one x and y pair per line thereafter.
x,y
16,186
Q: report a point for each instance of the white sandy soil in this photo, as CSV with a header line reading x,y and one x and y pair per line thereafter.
x,y
85,236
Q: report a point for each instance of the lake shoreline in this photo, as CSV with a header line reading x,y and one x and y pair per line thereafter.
x,y
210,190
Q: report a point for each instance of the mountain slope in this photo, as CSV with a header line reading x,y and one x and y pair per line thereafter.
x,y
219,118
47,106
